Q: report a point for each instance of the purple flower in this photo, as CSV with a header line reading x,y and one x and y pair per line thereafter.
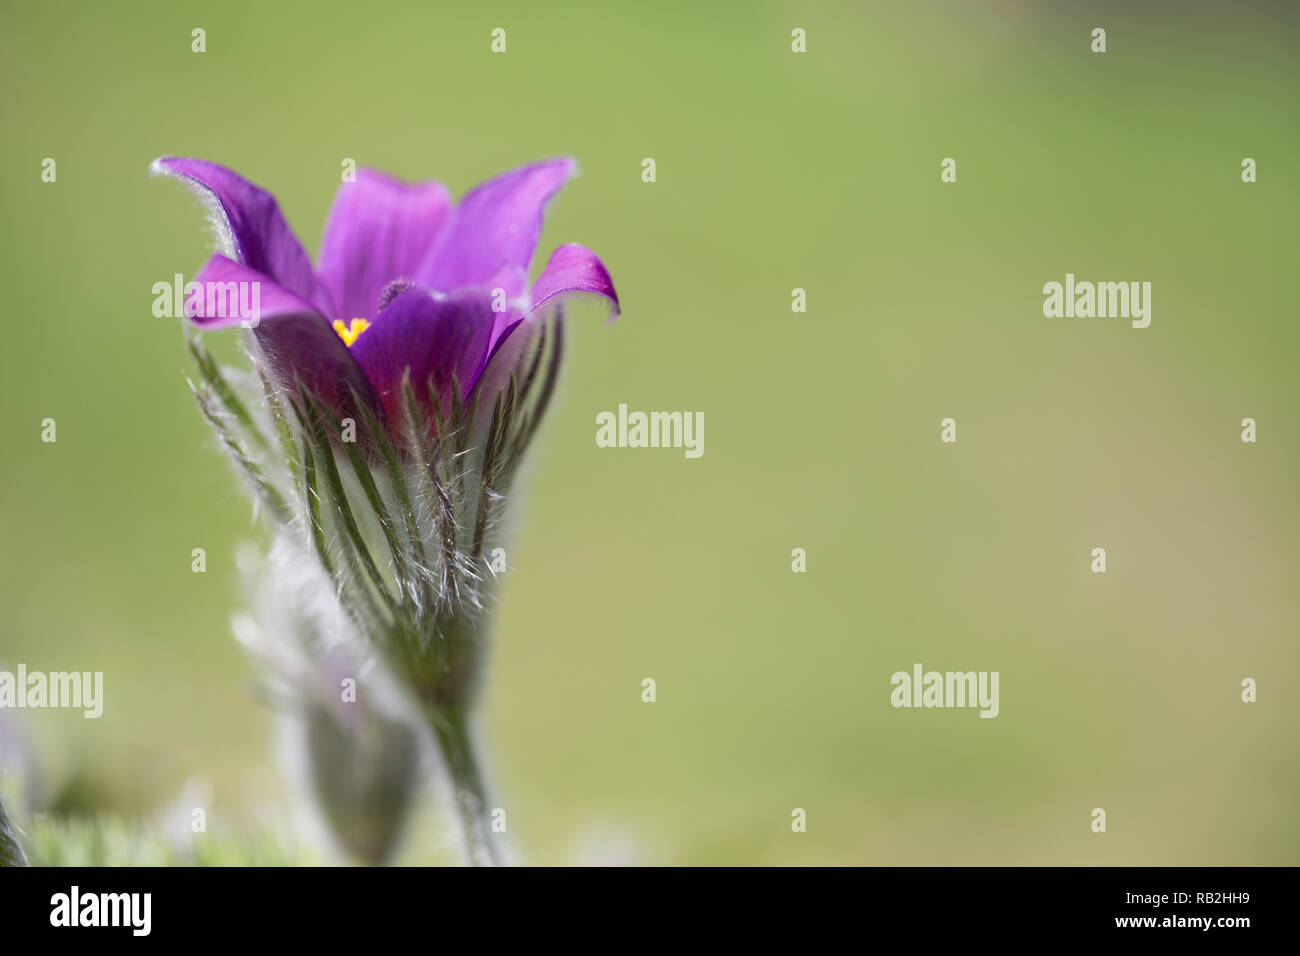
x,y
407,281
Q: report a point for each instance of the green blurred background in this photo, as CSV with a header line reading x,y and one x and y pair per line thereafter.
x,y
775,170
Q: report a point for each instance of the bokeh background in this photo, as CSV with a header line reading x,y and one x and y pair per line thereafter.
x,y
775,171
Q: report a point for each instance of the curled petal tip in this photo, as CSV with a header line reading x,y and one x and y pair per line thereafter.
x,y
575,270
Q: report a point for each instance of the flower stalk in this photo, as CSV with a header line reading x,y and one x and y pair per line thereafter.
x,y
469,793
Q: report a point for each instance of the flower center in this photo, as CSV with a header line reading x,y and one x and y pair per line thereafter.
x,y
349,333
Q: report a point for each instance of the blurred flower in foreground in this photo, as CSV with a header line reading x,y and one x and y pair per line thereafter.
x,y
17,784
11,848
348,738
395,390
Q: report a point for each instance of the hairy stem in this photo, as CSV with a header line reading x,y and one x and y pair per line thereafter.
x,y
482,845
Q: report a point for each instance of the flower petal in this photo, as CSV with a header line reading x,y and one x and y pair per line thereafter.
x,y
299,344
432,336
574,269
509,288
379,229
250,225
230,293
504,359
496,225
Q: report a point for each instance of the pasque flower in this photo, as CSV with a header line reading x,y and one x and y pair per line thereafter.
x,y
406,281
398,384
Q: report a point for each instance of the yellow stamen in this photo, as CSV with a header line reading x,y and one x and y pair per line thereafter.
x,y
349,333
